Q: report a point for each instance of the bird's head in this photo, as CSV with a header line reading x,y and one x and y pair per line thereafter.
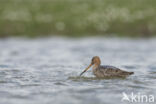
x,y
95,61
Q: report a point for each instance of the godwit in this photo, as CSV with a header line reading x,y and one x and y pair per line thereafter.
x,y
102,71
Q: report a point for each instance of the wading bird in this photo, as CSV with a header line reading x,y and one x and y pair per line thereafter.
x,y
101,71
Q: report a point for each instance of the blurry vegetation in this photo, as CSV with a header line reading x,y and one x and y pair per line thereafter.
x,y
135,18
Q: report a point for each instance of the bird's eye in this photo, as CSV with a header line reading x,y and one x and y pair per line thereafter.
x,y
92,59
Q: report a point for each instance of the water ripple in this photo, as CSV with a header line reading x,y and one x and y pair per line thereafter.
x,y
42,71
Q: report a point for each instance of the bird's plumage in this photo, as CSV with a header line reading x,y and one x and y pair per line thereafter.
x,y
110,71
101,71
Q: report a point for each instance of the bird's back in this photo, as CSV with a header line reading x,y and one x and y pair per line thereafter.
x,y
110,71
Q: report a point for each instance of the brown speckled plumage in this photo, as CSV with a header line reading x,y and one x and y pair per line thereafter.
x,y
105,71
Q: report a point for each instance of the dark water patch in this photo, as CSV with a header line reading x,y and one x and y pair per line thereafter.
x,y
151,75
14,53
10,70
152,72
130,66
4,66
30,85
137,87
78,78
3,73
60,83
1,81
138,82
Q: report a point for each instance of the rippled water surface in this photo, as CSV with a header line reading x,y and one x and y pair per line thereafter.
x,y
45,71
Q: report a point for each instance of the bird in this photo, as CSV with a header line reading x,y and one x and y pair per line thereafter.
x,y
105,71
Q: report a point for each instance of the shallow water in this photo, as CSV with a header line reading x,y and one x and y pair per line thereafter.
x,y
45,71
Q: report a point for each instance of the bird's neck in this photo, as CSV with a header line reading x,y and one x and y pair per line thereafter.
x,y
95,66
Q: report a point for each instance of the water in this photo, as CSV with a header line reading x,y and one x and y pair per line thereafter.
x,y
45,71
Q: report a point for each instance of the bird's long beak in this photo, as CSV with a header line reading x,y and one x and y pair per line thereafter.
x,y
86,69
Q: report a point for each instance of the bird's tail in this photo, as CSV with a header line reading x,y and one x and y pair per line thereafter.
x,y
130,73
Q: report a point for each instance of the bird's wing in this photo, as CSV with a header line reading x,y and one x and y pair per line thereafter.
x,y
113,71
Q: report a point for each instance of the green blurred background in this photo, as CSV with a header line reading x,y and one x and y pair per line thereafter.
x,y
76,18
